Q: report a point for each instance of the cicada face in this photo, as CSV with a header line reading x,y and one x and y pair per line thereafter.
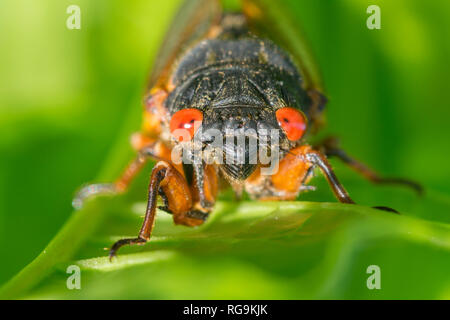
x,y
240,128
247,99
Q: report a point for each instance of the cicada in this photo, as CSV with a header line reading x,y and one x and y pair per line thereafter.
x,y
226,89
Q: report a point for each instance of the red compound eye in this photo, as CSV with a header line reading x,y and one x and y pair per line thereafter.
x,y
292,121
183,123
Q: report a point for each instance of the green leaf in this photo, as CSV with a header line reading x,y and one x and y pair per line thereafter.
x,y
248,250
304,249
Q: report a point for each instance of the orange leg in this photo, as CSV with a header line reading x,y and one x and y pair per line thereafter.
x,y
294,168
294,171
169,182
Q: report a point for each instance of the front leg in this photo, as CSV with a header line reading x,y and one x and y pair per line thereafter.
x,y
169,181
294,170
147,149
316,158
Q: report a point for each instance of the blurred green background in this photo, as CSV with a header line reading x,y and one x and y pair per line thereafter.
x,y
65,96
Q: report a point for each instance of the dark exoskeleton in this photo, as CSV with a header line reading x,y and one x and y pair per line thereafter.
x,y
235,84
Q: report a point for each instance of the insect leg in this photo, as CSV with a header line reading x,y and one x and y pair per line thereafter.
x,y
155,150
296,166
200,176
168,180
319,160
295,169
292,175
330,147
205,193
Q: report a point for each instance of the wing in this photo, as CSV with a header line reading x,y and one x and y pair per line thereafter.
x,y
193,21
270,19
